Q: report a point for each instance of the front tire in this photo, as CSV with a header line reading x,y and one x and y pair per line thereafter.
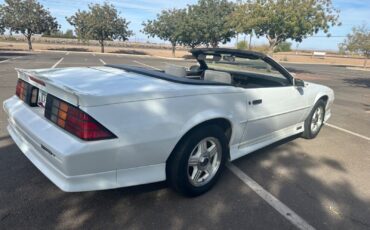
x,y
315,120
197,162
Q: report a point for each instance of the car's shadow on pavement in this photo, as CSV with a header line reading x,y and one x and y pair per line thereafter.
x,y
12,54
29,200
358,82
290,174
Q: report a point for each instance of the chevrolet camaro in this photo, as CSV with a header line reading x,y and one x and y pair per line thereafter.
x,y
94,128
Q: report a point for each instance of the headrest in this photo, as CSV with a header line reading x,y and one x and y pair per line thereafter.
x,y
218,76
175,70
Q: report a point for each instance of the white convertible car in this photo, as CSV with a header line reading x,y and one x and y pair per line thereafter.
x,y
93,128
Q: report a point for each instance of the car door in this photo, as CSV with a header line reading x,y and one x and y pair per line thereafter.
x,y
272,110
275,106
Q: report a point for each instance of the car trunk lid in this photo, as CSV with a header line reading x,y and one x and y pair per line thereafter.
x,y
93,86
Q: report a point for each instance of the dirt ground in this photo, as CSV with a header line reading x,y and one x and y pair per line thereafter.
x,y
16,46
288,57
329,59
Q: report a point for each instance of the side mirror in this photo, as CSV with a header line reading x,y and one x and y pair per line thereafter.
x,y
298,82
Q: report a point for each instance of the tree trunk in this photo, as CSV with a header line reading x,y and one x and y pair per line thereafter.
x,y
214,44
273,43
29,42
173,49
365,62
271,48
101,46
250,41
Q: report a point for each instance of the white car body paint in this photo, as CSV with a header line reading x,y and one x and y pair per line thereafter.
x,y
149,116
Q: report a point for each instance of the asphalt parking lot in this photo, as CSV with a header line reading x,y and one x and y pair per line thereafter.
x,y
323,182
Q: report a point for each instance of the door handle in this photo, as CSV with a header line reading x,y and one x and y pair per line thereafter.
x,y
256,102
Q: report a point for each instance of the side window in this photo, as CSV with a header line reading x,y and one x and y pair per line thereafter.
x,y
261,73
249,72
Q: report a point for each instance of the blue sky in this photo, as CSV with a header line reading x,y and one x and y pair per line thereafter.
x,y
353,12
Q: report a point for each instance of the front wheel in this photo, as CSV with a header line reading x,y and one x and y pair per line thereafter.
x,y
197,162
314,121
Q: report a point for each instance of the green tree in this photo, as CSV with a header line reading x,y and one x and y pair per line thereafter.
x,y
279,20
80,21
168,26
188,34
243,45
235,21
283,47
2,26
358,41
27,17
210,21
69,34
100,22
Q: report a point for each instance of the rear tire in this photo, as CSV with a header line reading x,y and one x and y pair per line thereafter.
x,y
202,152
314,121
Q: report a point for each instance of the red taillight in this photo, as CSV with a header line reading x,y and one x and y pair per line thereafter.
x,y
26,92
74,120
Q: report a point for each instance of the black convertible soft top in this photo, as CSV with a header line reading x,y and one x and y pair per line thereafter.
x,y
164,76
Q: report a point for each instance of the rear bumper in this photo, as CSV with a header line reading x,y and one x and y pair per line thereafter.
x,y
66,183
70,163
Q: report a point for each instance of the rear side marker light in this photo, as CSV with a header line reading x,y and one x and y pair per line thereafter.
x,y
74,120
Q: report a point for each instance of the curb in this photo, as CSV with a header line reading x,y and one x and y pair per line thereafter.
x,y
358,68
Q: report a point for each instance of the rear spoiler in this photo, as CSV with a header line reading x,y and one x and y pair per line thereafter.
x,y
58,90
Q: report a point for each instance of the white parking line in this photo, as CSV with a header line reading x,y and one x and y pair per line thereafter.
x,y
93,54
14,58
101,60
57,63
284,210
67,53
347,131
140,63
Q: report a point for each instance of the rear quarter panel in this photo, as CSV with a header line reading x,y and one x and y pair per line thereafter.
x,y
149,130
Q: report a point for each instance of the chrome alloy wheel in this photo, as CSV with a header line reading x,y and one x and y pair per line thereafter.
x,y
204,161
317,119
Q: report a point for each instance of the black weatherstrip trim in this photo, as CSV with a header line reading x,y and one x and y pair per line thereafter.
x,y
167,77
